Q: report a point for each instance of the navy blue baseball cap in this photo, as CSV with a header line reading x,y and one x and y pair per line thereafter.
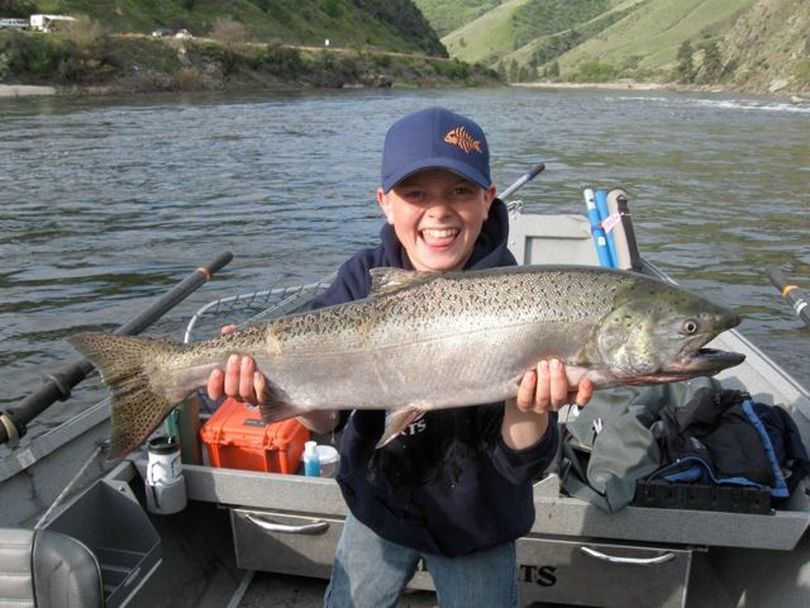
x,y
435,138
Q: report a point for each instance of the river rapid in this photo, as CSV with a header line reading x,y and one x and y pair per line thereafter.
x,y
106,203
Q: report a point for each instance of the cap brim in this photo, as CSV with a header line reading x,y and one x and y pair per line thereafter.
x,y
457,167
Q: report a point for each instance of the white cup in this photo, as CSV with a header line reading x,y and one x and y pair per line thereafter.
x,y
329,458
164,484
163,467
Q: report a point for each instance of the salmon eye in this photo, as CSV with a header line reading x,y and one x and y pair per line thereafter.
x,y
690,326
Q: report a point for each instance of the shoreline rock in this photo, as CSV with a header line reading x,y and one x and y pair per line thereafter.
x,y
24,90
616,85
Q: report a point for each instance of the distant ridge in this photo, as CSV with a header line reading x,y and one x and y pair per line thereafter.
x,y
748,45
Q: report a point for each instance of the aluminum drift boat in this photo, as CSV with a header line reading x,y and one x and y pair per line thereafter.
x,y
240,521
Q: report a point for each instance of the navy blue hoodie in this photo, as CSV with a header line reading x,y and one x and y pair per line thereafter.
x,y
448,484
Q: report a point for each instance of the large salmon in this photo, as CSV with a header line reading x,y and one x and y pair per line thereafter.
x,y
427,341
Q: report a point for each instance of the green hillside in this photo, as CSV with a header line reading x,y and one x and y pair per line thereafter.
x,y
450,15
393,25
753,45
515,23
648,38
488,37
540,45
235,44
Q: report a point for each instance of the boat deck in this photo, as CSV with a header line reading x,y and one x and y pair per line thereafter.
x,y
219,552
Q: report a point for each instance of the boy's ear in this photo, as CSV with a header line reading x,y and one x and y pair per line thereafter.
x,y
489,197
382,200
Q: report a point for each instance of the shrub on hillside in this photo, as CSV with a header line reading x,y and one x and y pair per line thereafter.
x,y
85,37
30,57
803,74
595,71
5,65
17,9
685,70
281,61
712,67
228,32
83,44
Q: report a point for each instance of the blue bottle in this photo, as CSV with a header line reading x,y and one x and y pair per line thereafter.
x,y
312,463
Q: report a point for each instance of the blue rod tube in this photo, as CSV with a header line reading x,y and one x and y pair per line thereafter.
x,y
596,230
600,196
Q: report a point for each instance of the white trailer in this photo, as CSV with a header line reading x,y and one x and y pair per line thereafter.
x,y
45,23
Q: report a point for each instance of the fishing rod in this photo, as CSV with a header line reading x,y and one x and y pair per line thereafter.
x,y
528,176
57,386
791,293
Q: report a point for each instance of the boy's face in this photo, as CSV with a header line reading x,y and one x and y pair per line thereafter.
x,y
437,216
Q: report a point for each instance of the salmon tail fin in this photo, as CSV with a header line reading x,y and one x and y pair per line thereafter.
x,y
123,362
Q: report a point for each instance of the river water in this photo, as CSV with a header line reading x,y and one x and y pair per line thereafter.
x,y
106,203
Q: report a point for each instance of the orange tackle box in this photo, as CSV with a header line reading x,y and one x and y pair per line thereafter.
x,y
237,438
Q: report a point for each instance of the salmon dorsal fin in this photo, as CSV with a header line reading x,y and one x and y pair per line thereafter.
x,y
389,280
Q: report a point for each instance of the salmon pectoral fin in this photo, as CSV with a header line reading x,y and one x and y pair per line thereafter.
x,y
277,407
397,421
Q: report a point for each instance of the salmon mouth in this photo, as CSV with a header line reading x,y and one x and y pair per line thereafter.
x,y
706,361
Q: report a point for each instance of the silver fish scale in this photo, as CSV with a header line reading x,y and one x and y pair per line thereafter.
x,y
457,336
454,302
513,297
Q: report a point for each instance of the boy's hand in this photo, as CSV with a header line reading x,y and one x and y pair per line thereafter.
x,y
240,379
542,390
545,389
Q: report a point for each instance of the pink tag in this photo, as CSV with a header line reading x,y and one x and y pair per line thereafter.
x,y
610,222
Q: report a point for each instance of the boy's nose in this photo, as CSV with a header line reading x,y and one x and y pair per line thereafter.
x,y
439,206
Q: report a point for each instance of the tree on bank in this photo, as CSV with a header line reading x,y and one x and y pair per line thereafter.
x,y
17,9
712,61
686,67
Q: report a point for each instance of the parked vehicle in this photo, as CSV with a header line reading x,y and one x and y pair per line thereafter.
x,y
14,24
46,23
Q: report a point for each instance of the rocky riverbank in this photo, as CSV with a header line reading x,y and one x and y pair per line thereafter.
x,y
24,90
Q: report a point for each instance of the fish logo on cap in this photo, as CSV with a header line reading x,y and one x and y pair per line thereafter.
x,y
461,137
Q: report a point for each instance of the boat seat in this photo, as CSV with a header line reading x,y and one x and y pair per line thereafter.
x,y
46,569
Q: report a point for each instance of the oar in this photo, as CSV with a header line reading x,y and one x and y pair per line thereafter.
x,y
790,292
528,176
57,386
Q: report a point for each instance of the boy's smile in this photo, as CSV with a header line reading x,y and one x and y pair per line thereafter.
x,y
437,216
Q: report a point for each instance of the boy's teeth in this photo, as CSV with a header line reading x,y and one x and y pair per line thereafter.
x,y
438,233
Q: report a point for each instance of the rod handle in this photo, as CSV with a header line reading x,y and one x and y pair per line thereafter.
x,y
56,386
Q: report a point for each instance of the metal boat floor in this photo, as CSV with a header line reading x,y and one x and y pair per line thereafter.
x,y
286,591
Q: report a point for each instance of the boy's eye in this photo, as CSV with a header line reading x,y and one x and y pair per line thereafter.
x,y
415,196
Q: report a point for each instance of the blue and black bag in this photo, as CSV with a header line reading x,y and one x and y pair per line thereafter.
x,y
691,445
723,437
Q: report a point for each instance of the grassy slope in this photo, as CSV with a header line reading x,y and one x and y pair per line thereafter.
x,y
486,38
450,15
523,55
385,24
649,35
654,32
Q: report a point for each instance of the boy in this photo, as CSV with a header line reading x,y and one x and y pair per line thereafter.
x,y
455,488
